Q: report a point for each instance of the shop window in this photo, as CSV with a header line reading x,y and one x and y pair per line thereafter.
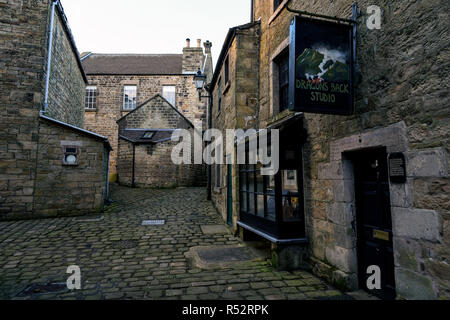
x,y
274,205
70,157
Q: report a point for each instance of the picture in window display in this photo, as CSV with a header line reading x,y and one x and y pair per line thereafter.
x,y
290,201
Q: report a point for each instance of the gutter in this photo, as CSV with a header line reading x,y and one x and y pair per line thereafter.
x,y
49,56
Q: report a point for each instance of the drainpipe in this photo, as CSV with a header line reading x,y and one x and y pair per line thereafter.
x,y
49,56
209,127
133,169
252,19
107,178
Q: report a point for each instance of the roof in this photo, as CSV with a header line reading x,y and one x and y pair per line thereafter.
x,y
154,97
79,130
136,135
226,45
133,64
65,24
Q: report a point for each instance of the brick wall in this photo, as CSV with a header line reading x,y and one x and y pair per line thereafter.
x,y
22,54
67,86
110,100
66,190
401,103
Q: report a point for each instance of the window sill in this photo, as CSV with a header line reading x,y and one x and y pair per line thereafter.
x,y
128,110
90,110
277,12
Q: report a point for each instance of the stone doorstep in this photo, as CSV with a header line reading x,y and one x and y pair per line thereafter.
x,y
214,229
198,256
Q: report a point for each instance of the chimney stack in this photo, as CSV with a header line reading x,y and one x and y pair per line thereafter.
x,y
199,43
188,43
207,46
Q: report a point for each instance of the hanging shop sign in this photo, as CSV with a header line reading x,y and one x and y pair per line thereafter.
x,y
321,62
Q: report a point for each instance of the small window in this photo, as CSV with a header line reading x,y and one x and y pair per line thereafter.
x,y
91,98
148,135
129,97
218,175
70,157
276,4
169,93
283,77
219,95
227,68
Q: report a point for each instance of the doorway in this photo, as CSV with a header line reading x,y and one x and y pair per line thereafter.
x,y
373,218
229,195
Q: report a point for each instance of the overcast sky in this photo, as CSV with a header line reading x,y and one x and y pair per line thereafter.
x,y
151,26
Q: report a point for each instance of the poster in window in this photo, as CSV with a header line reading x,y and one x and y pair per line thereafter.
x,y
321,67
290,180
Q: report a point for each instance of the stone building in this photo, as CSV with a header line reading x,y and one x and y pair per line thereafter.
x,y
118,83
337,203
49,165
145,147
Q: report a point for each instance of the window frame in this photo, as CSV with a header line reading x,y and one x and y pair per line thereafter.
x,y
90,101
125,104
283,68
219,95
272,223
76,153
174,94
276,4
218,176
226,70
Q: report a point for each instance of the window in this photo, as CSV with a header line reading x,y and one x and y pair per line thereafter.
x,y
218,175
219,94
227,68
70,157
169,93
129,97
276,4
283,78
91,97
148,135
274,204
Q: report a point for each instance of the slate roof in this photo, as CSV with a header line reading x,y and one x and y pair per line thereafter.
x,y
133,64
136,135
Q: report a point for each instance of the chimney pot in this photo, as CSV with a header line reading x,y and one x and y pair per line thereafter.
x,y
188,43
199,43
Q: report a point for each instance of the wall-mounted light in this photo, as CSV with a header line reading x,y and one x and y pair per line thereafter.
x,y
199,81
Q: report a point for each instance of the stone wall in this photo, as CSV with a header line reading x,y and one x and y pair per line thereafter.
x,y
153,163
110,100
67,87
402,104
193,59
22,56
238,106
66,190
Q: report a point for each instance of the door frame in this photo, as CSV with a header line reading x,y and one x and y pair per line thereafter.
x,y
229,194
353,157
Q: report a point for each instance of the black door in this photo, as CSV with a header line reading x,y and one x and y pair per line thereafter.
x,y
374,223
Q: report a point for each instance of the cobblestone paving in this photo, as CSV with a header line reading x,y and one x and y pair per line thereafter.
x,y
150,264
